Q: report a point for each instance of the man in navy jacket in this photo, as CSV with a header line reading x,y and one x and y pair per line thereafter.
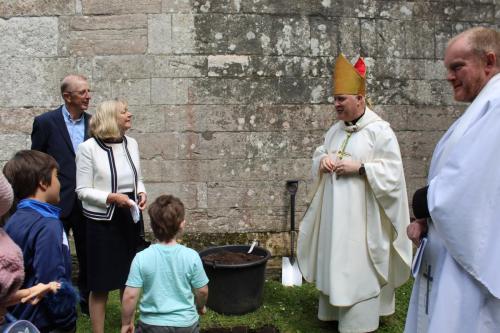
x,y
58,133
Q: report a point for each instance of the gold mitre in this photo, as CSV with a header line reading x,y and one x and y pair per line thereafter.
x,y
349,79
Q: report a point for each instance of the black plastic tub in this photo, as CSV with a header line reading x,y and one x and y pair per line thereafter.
x,y
235,288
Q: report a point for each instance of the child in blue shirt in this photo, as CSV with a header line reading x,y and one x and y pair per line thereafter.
x,y
171,276
35,227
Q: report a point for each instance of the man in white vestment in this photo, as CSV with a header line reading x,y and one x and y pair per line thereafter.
x,y
457,287
352,240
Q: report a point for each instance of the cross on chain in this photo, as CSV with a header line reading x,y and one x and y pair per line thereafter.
x,y
429,278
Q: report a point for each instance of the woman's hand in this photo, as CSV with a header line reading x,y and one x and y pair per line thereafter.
x,y
120,199
142,200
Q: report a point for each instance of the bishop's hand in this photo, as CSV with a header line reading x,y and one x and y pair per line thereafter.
x,y
347,167
326,165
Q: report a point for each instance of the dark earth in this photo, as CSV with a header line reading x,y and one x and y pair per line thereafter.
x,y
230,258
240,329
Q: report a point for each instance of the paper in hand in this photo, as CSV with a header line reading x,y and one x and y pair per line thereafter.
x,y
135,211
417,260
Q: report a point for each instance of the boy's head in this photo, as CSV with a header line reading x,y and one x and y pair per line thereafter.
x,y
167,217
33,174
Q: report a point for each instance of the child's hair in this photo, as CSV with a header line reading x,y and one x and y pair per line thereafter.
x,y
166,213
27,169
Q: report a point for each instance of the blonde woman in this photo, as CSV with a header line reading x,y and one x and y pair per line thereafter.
x,y
109,184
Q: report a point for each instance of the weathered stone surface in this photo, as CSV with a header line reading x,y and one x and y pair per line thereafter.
x,y
413,118
109,22
107,42
134,91
324,36
418,144
18,120
419,40
122,67
10,143
11,8
29,37
33,81
193,195
158,145
217,118
160,33
121,6
390,39
180,66
349,36
480,13
176,6
169,91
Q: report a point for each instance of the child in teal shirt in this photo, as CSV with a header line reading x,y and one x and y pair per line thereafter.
x,y
171,276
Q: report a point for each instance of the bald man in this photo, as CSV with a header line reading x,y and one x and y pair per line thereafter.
x,y
58,133
457,283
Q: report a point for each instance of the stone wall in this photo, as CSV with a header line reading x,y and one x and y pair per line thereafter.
x,y
230,98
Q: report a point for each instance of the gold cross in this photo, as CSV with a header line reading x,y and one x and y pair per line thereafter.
x,y
341,153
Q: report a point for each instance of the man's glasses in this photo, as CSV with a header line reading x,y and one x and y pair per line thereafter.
x,y
81,93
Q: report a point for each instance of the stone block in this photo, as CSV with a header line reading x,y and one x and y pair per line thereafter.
x,y
134,91
147,119
29,37
152,170
474,12
368,38
160,34
253,91
389,43
443,33
158,145
228,65
418,144
313,90
109,22
11,143
289,35
121,6
176,6
245,195
419,39
108,42
217,6
398,68
18,120
123,67
245,36
180,66
35,82
189,193
289,66
349,36
211,90
352,8
183,34
11,8
324,36
416,168
169,91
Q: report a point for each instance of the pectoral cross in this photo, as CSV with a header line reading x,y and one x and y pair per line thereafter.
x,y
429,278
341,152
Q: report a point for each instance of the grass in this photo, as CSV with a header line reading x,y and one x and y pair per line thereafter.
x,y
290,309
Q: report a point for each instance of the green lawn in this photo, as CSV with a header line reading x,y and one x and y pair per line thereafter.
x,y
290,309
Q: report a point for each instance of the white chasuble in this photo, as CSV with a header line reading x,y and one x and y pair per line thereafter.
x,y
352,240
457,288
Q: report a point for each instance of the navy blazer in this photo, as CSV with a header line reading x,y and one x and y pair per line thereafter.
x,y
50,135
